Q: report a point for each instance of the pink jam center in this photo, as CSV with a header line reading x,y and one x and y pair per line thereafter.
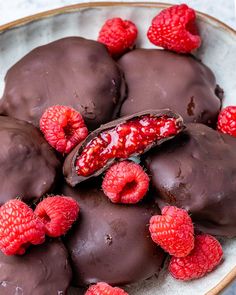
x,y
123,141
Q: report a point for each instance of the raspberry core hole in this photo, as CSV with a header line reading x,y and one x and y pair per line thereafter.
x,y
46,219
191,27
128,188
68,130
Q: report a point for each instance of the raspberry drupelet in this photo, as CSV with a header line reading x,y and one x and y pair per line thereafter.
x,y
19,227
227,121
58,213
104,289
206,255
63,127
125,182
118,35
173,231
174,28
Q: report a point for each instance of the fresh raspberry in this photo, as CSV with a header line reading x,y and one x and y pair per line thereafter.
x,y
205,256
118,35
104,289
227,121
58,214
19,227
174,28
125,182
173,231
63,128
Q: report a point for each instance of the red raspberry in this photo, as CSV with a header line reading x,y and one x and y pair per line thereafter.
x,y
63,128
58,214
125,182
118,35
227,121
173,231
104,289
206,255
174,28
19,227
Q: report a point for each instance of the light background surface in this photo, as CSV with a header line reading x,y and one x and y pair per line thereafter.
x,y
14,9
225,10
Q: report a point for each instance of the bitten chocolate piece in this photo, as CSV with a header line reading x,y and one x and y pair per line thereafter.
x,y
28,165
117,141
72,71
197,171
43,270
160,79
111,242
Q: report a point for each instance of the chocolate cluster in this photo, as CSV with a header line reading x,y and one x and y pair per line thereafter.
x,y
194,169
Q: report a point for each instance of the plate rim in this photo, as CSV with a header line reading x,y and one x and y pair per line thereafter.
x,y
79,6
231,275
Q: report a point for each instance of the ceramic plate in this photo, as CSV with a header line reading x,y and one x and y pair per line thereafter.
x,y
217,51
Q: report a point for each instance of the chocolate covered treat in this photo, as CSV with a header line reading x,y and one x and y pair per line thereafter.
x,y
111,242
42,270
72,71
28,165
120,139
197,172
160,79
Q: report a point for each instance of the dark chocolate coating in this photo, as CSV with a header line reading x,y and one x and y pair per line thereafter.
x,y
43,270
159,79
111,242
72,71
197,171
28,165
69,167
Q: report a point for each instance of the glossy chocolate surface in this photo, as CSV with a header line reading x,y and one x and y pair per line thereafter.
x,y
43,270
69,168
159,79
72,71
28,165
197,171
111,242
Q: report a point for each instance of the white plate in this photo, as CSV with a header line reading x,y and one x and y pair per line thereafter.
x,y
218,51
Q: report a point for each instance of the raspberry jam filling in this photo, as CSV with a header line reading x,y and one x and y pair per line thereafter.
x,y
123,141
